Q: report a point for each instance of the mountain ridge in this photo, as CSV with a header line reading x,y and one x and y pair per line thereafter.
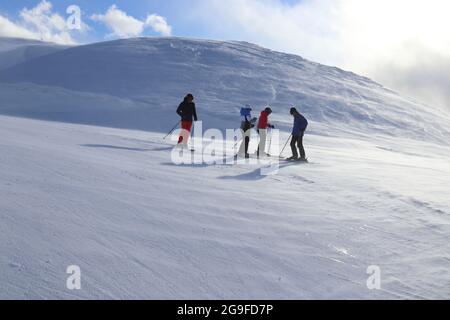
x,y
223,75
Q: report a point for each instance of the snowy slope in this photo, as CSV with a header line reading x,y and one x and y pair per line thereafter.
x,y
14,51
58,104
107,197
158,72
112,202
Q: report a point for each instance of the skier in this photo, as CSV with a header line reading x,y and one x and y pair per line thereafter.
x,y
247,124
188,113
263,124
298,131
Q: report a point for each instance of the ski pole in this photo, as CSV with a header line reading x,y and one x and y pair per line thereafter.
x,y
171,130
285,145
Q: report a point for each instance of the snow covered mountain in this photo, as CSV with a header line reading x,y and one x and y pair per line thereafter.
x,y
155,73
83,189
14,51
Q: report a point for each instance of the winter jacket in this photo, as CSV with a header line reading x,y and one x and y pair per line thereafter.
x,y
187,111
263,120
300,124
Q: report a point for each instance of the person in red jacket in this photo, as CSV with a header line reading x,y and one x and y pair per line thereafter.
x,y
263,124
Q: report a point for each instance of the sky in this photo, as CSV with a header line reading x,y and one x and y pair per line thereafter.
x,y
403,44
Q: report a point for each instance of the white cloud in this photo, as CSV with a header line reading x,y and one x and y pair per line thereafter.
x,y
425,76
11,29
38,23
304,28
123,25
159,24
366,36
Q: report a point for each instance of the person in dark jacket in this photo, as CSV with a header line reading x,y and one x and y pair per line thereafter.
x,y
298,131
188,114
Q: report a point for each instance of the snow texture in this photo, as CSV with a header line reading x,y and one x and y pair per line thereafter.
x,y
86,179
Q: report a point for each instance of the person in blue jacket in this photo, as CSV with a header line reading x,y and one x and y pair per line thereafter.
x,y
298,131
247,124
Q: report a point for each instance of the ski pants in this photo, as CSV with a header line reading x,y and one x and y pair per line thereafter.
x,y
186,127
262,141
297,142
243,150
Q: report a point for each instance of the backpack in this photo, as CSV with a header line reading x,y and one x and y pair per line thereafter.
x,y
246,112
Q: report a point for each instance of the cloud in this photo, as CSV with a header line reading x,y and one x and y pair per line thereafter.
x,y
11,29
123,25
159,24
369,37
304,28
427,78
38,23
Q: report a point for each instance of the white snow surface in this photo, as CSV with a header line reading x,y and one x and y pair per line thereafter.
x,y
90,181
112,202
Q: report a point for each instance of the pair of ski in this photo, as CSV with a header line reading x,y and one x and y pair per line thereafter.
x,y
299,160
268,156
185,148
295,160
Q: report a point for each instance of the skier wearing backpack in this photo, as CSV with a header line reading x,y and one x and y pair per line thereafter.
x,y
247,124
188,114
263,124
298,131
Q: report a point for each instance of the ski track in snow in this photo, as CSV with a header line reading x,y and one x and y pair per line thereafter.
x,y
139,226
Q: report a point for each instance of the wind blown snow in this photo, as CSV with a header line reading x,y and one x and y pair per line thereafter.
x,y
87,179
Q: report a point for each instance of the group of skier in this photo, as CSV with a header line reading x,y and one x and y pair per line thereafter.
x,y
188,114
